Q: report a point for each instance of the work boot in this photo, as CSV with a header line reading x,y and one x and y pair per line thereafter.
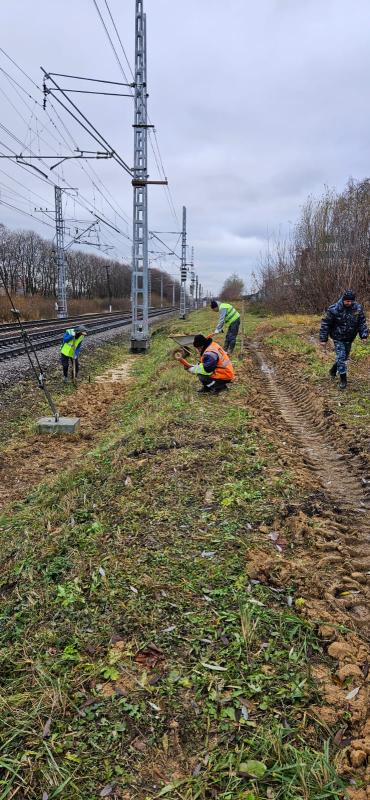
x,y
333,370
220,389
203,390
343,381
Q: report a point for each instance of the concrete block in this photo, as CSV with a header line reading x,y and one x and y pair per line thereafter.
x,y
64,425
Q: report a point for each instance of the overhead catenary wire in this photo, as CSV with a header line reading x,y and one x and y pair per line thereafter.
x,y
158,158
94,133
87,205
34,100
96,181
110,40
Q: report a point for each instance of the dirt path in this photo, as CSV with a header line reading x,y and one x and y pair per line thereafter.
x,y
342,540
39,457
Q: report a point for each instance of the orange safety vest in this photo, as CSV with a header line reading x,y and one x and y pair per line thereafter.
x,y
224,369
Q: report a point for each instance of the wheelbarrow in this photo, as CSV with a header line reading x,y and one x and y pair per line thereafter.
x,y
184,343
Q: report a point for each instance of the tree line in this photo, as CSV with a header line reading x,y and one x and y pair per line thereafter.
x,y
327,251
28,267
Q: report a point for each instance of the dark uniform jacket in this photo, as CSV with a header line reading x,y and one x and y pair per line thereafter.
x,y
343,324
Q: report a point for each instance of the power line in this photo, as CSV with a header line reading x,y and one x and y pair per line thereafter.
x,y
119,39
160,166
93,132
83,202
28,214
110,41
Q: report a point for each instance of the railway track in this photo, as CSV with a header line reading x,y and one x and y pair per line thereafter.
x,y
46,333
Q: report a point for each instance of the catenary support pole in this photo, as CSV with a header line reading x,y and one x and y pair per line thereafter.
x,y
161,290
139,294
183,267
192,279
196,291
173,294
60,258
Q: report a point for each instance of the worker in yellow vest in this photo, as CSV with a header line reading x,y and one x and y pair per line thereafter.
x,y
70,350
228,316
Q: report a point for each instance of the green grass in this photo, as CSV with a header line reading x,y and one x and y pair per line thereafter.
x,y
130,575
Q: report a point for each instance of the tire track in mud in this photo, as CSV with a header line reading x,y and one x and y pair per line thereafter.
x,y
343,546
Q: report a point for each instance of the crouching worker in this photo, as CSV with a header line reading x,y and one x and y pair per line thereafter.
x,y
70,350
215,369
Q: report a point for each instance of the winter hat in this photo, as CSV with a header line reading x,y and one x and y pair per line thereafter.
x,y
81,329
349,295
214,304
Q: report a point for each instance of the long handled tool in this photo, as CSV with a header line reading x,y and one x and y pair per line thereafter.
x,y
29,348
74,371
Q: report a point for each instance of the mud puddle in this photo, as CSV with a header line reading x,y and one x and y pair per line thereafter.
x,y
39,457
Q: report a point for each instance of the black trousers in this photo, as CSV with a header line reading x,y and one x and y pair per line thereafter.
x,y
66,362
231,335
216,384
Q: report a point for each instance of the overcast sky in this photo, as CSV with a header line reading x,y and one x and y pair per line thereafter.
x,y
256,105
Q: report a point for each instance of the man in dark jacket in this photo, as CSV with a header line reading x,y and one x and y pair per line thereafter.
x,y
342,322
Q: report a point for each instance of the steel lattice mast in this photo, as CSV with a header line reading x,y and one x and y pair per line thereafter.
x,y
183,267
192,278
139,294
61,266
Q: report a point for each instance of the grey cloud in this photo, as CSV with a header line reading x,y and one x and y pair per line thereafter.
x,y
257,105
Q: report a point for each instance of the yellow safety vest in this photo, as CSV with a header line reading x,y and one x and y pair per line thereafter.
x,y
231,313
69,348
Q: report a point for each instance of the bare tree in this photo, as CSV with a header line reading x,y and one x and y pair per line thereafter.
x,y
233,288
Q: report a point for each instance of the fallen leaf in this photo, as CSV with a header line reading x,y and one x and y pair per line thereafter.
x,y
207,553
165,743
197,770
215,667
138,744
365,668
208,497
170,787
245,713
128,482
273,536
92,701
46,731
107,790
153,705
352,694
256,769
169,630
45,796
135,591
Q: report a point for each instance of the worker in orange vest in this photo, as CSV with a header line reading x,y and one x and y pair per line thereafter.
x,y
215,370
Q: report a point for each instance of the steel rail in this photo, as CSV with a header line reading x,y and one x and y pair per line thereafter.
x,y
40,341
